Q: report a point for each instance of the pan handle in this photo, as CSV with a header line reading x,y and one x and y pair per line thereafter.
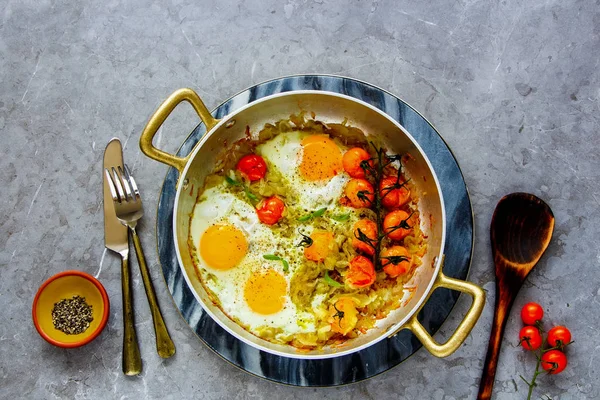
x,y
464,328
159,117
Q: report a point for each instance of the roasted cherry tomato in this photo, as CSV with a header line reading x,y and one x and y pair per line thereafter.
x,y
361,272
554,361
391,195
252,166
352,162
343,316
368,228
320,247
396,225
559,336
395,261
360,193
530,338
270,210
531,313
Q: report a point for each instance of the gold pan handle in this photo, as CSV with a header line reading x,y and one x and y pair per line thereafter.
x,y
159,117
464,328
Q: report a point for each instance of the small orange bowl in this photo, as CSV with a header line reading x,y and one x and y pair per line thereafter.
x,y
65,285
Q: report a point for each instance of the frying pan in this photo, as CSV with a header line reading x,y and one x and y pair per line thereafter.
x,y
329,108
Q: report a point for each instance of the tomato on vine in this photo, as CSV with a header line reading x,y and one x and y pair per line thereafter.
x,y
531,313
559,336
549,351
530,338
554,361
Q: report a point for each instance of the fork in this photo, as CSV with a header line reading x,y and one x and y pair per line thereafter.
x,y
129,210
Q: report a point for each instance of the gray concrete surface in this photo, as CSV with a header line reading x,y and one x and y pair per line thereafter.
x,y
513,86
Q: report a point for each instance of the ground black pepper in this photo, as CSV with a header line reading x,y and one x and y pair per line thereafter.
x,y
72,316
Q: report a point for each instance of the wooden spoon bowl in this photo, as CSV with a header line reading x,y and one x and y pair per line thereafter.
x,y
520,232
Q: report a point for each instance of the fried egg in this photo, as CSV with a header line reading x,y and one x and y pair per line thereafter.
x,y
230,245
311,164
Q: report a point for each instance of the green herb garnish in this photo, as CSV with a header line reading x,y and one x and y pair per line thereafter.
x,y
273,257
314,214
319,212
232,182
341,217
251,196
330,280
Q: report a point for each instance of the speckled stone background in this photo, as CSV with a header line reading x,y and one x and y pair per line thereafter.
x,y
513,86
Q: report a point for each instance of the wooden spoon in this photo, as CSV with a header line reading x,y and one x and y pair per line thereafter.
x,y
520,231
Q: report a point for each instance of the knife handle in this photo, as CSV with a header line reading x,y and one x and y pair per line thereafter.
x,y
164,345
132,361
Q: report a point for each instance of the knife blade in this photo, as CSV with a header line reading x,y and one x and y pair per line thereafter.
x,y
115,233
117,240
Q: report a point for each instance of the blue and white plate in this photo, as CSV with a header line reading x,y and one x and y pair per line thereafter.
x,y
384,354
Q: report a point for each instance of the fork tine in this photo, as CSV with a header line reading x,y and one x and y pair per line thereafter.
x,y
132,182
111,185
125,183
118,186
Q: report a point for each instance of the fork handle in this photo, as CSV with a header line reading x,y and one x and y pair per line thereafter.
x,y
164,344
132,361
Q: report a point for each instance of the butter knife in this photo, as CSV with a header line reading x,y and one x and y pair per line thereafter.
x,y
116,239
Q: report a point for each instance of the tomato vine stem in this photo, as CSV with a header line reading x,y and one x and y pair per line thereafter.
x,y
375,170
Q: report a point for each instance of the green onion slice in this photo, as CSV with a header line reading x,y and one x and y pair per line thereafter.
x,y
330,281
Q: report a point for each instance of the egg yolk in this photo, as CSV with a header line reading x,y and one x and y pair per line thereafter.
x,y
321,158
223,246
265,292
320,247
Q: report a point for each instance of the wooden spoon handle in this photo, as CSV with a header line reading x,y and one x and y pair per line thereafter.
x,y
504,302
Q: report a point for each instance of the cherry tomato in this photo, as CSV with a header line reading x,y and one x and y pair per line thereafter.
x,y
530,338
270,210
531,313
320,247
360,193
396,225
395,267
343,316
361,272
393,197
559,336
253,167
352,159
369,228
554,361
